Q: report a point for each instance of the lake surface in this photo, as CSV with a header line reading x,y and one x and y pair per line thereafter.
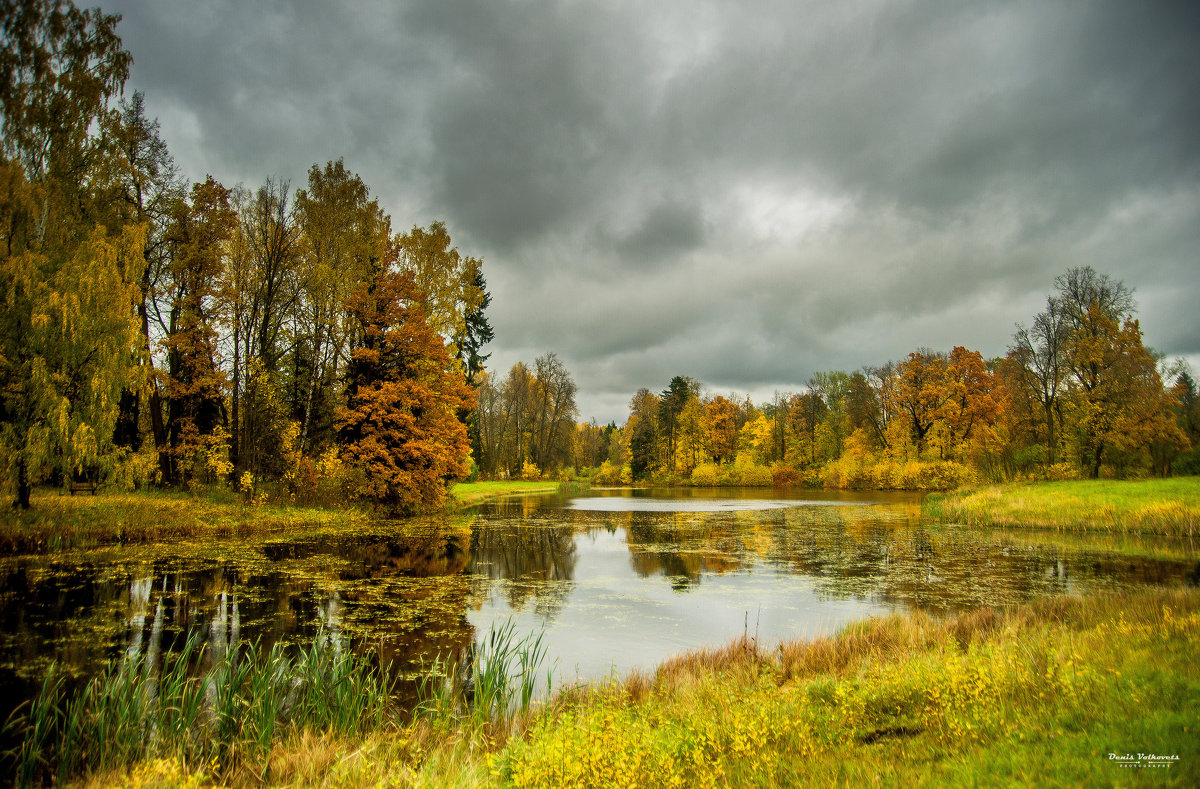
x,y
615,580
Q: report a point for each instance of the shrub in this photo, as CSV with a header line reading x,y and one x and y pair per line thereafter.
x,y
607,474
1187,464
1060,472
753,475
784,476
706,475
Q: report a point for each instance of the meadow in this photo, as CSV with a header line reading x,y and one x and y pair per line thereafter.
x,y
1155,506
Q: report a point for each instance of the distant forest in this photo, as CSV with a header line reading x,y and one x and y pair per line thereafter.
x,y
291,343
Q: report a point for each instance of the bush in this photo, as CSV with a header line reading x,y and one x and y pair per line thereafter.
x,y
784,476
530,472
753,475
1061,472
706,475
1187,464
607,474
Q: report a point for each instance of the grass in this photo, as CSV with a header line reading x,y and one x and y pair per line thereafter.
x,y
1035,696
1154,506
468,494
57,521
1039,694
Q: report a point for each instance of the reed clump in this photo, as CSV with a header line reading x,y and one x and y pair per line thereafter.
x,y
490,689
221,721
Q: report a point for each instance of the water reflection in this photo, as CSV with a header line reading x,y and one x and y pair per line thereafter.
x,y
620,584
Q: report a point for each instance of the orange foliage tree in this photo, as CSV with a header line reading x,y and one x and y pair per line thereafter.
x,y
720,420
400,427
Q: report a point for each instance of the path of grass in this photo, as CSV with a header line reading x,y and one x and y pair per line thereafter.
x,y
1157,506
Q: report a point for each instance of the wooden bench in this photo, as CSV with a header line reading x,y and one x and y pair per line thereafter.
x,y
87,484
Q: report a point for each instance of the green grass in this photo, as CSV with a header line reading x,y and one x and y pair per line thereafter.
x,y
468,494
1156,506
1035,695
57,521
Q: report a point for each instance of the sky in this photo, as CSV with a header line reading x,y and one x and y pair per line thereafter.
x,y
741,192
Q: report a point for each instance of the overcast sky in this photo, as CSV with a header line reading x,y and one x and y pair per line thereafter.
x,y
742,192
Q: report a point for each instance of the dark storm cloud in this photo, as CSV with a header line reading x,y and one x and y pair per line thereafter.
x,y
743,193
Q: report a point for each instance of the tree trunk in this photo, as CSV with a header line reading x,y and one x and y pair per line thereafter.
x,y
235,427
23,486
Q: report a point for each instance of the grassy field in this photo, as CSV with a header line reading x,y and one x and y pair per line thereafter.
x,y
471,493
59,521
1039,695
1155,506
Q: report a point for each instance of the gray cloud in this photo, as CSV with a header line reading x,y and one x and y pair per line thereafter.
x,y
744,193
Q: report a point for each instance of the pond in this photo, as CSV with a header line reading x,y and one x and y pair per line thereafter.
x,y
614,579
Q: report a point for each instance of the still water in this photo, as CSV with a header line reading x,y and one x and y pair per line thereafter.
x,y
615,580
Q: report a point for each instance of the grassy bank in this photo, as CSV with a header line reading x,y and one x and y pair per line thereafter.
x,y
59,521
1037,695
1153,506
468,494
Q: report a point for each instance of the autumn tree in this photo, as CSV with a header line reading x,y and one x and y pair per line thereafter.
x,y
1039,366
971,407
923,388
400,426
343,231
1119,402
720,421
66,341
262,291
194,383
67,335
451,282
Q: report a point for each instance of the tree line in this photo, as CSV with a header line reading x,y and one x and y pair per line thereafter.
x,y
165,332
1077,394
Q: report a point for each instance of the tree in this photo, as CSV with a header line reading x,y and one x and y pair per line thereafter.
x,y
400,426
642,429
344,232
922,389
1038,356
553,413
145,189
260,295
194,383
972,406
1119,402
66,341
66,348
59,69
477,331
452,284
720,418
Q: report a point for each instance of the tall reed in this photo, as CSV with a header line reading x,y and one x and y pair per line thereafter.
x,y
228,716
494,683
